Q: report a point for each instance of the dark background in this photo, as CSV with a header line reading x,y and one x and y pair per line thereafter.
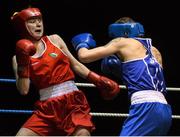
x,y
70,17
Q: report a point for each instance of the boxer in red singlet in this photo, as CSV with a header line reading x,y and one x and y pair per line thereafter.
x,y
46,61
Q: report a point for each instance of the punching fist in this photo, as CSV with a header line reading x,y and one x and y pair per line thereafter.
x,y
109,89
24,49
111,66
84,40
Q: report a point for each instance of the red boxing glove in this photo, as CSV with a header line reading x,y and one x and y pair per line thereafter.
x,y
108,88
24,49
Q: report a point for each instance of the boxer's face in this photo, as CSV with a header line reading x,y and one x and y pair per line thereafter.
x,y
35,27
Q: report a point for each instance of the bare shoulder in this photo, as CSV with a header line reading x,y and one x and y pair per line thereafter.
x,y
119,39
54,37
156,53
154,49
57,40
119,42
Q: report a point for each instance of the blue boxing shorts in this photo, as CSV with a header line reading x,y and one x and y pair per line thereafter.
x,y
149,115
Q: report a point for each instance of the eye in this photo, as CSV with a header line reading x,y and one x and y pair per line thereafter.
x,y
31,21
39,20
35,20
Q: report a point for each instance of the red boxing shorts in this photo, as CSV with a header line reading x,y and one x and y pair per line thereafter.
x,y
60,115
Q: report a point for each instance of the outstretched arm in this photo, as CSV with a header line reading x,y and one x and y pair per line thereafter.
x,y
108,88
87,51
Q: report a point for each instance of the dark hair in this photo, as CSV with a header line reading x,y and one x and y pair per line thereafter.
x,y
124,20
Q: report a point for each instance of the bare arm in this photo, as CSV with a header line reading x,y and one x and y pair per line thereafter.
x,y
78,67
157,55
22,84
89,55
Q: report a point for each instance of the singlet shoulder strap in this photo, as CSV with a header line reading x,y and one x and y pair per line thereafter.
x,y
147,43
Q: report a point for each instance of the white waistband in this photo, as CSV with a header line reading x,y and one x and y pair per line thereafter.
x,y
147,96
57,90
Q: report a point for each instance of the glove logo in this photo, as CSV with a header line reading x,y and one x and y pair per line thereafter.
x,y
54,55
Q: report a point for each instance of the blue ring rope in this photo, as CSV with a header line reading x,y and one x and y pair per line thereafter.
x,y
8,80
16,111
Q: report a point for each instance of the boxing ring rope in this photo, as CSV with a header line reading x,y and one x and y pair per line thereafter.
x,y
99,114
86,84
92,113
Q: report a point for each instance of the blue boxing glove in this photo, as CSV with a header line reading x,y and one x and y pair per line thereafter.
x,y
84,40
111,66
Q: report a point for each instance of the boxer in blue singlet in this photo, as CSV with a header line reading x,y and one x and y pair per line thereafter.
x,y
139,64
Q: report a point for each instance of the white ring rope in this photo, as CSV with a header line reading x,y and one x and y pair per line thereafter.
x,y
92,85
109,114
121,115
121,86
2,80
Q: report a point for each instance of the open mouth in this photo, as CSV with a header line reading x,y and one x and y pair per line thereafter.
x,y
38,30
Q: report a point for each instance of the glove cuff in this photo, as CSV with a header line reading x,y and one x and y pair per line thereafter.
x,y
93,77
82,45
